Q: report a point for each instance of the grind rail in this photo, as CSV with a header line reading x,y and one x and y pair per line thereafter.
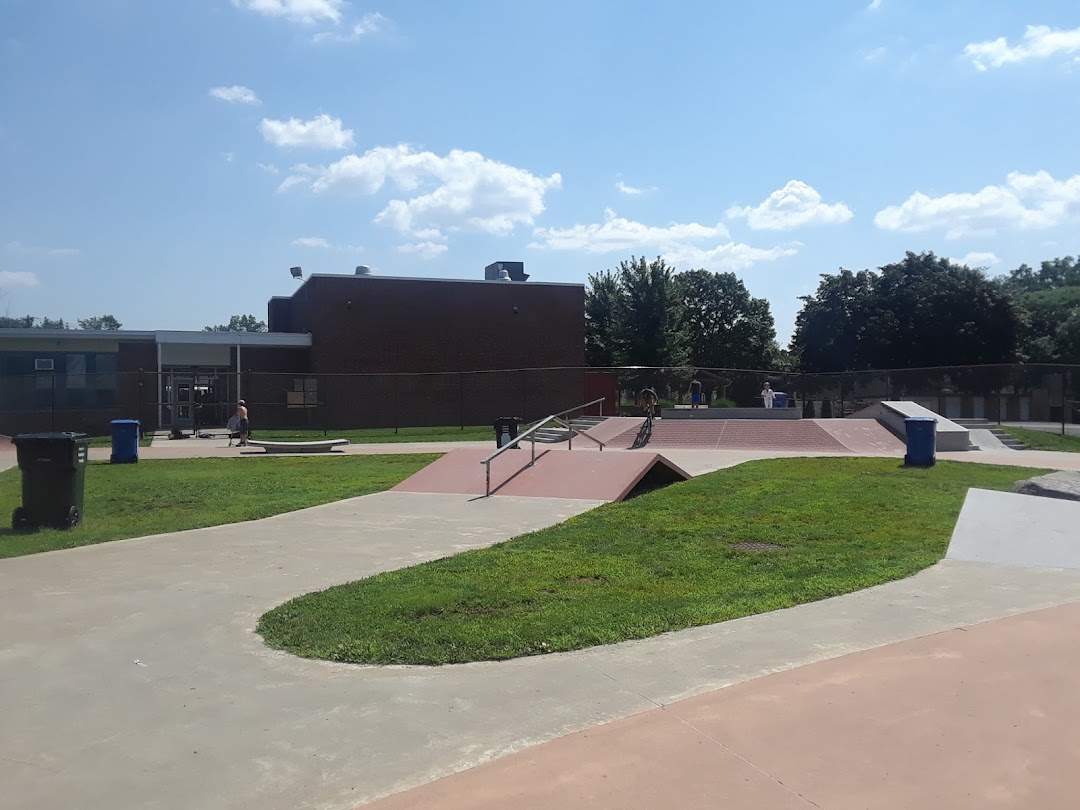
x,y
555,418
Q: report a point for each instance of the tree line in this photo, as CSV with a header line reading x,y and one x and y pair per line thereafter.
x,y
922,311
108,323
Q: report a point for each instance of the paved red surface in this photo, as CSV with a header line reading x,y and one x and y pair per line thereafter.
x,y
585,475
737,434
979,717
5,444
863,435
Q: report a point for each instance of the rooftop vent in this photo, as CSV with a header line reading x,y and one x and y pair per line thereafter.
x,y
506,271
363,270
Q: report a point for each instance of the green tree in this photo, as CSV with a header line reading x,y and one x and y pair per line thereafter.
x,y
30,322
602,302
919,312
720,324
106,323
647,329
831,329
239,323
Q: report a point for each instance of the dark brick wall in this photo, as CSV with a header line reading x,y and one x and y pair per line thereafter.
x,y
368,324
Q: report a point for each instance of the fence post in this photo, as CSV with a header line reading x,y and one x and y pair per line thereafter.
x,y
461,397
1064,376
397,419
326,410
52,401
140,403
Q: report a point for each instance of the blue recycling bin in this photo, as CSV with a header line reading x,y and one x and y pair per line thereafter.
x,y
125,441
781,400
921,441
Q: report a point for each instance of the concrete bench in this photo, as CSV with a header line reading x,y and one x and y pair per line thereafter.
x,y
324,446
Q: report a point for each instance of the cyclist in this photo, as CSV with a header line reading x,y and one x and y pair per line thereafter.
x,y
647,399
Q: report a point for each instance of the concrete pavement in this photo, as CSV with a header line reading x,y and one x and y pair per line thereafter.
x,y
132,676
967,719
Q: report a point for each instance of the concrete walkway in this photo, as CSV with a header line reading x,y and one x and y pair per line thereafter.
x,y
132,676
966,719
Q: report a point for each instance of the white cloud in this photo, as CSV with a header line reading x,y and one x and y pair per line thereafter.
x,y
425,250
369,24
792,206
322,243
17,278
457,191
1024,202
631,190
301,11
876,55
311,242
978,259
1040,42
237,94
676,242
875,5
321,132
228,156
617,234
269,168
20,249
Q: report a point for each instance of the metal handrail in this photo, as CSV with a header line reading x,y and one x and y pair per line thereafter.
x,y
528,434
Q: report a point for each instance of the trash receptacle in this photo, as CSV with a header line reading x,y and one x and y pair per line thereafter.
x,y
506,429
53,469
921,441
125,441
780,400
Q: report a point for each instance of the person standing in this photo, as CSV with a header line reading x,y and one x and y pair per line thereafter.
x,y
243,424
695,393
768,395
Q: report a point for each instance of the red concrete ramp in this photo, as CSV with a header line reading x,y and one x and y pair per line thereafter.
x,y
738,434
5,444
607,476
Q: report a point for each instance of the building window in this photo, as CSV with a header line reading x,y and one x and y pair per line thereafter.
x,y
105,366
75,369
305,393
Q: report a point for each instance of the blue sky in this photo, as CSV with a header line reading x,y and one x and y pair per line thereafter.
x,y
168,162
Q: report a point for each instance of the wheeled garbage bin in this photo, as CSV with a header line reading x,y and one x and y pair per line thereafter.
x,y
53,469
921,441
506,429
125,441
780,399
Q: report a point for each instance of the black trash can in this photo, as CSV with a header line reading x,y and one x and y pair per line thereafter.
x,y
53,479
506,429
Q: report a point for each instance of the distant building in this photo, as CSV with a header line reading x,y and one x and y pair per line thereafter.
x,y
342,351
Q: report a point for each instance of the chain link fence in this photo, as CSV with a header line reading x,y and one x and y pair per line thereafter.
x,y
197,399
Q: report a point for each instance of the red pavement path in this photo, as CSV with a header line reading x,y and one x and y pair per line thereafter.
x,y
979,717
595,476
804,435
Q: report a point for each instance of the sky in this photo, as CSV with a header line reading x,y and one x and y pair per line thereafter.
x,y
168,162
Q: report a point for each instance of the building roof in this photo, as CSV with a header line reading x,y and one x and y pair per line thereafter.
x,y
373,278
267,339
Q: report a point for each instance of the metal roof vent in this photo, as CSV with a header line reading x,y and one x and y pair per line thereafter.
x,y
503,275
363,270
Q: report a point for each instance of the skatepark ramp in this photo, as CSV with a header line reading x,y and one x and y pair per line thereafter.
x,y
1010,529
557,473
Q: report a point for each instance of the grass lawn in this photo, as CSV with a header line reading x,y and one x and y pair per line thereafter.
x,y
660,562
155,496
383,435
1041,440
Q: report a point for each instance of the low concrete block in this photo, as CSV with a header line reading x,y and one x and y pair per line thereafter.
x,y
1010,529
731,413
1062,485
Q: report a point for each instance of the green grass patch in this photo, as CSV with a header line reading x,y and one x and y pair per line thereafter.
x,y
383,435
660,562
156,496
1041,440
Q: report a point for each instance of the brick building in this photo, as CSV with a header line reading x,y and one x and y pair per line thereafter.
x,y
342,351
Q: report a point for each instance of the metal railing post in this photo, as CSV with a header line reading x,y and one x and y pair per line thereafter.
x,y
487,481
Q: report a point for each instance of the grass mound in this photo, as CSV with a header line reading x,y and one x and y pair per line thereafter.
x,y
668,560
